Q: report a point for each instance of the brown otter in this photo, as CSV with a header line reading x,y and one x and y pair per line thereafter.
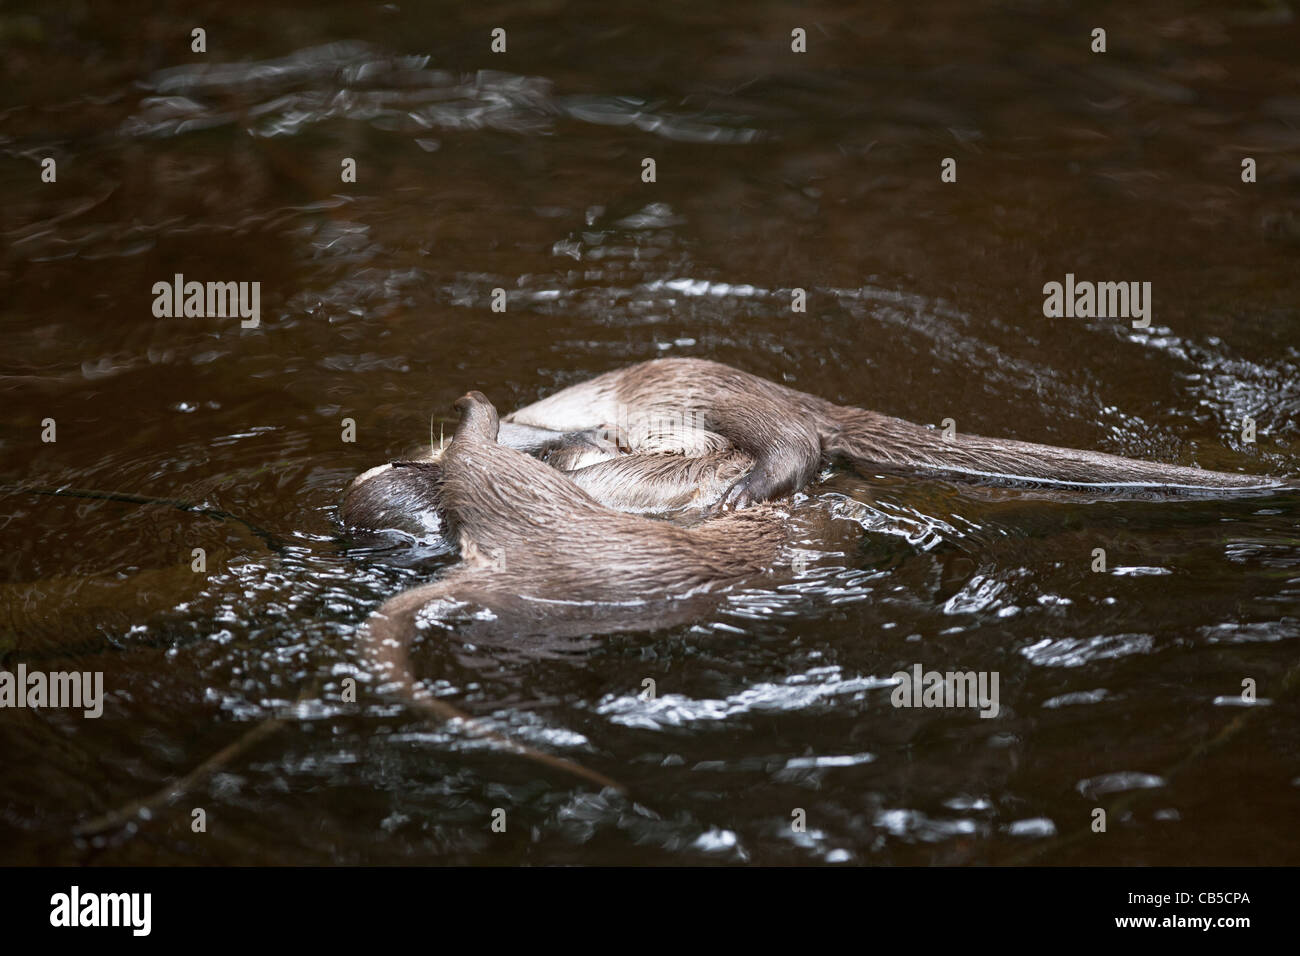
x,y
511,515
683,433
789,433
532,541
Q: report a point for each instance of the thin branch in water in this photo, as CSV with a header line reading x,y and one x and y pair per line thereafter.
x,y
269,539
441,710
191,781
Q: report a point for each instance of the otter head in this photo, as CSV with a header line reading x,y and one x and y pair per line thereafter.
x,y
478,418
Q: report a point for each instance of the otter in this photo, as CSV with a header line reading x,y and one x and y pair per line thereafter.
x,y
512,515
531,544
679,434
790,433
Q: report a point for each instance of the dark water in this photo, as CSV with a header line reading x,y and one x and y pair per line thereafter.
x,y
521,171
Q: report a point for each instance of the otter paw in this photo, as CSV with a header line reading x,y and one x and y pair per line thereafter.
x,y
754,488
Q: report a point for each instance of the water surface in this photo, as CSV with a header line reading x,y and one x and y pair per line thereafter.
x,y
775,171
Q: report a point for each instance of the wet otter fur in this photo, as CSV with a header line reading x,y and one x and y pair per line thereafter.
x,y
790,433
527,533
685,434
543,553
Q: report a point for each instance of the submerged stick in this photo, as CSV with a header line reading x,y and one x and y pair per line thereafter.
x,y
271,540
166,795
431,707
441,710
156,800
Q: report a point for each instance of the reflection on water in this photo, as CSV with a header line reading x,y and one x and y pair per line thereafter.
x,y
775,172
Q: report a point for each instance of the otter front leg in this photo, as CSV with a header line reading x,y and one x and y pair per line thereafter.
x,y
783,466
783,438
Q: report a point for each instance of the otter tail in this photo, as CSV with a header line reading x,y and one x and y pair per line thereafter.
x,y
870,440
388,634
